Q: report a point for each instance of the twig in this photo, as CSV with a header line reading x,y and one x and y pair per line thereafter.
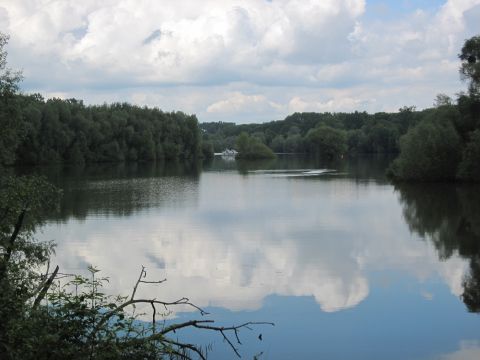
x,y
153,282
185,346
142,274
108,315
199,324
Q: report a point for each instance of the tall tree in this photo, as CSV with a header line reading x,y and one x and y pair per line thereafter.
x,y
9,109
470,68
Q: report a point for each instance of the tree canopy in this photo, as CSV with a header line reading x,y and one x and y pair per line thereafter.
x,y
470,68
10,114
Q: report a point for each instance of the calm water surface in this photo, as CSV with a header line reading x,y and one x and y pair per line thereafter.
x,y
347,265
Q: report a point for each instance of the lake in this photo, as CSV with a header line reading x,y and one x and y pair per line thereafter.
x,y
347,265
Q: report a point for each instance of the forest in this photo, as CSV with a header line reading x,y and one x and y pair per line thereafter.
x,y
56,131
327,134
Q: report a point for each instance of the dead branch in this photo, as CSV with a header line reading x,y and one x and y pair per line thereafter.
x,y
154,313
200,324
160,336
185,346
143,273
105,317
45,288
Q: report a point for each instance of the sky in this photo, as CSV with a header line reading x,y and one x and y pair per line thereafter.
x,y
241,60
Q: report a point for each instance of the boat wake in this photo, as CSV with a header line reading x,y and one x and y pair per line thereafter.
x,y
295,173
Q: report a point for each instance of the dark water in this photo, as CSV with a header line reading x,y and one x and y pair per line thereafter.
x,y
347,265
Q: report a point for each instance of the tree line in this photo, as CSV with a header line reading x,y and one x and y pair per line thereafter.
x,y
326,134
68,131
437,144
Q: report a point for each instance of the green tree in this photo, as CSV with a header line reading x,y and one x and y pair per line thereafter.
x,y
327,142
242,142
10,116
430,150
252,148
278,144
470,68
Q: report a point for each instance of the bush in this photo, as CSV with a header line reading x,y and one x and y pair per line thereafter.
x,y
252,148
327,142
430,151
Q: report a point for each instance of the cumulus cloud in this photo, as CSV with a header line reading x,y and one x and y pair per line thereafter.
x,y
116,48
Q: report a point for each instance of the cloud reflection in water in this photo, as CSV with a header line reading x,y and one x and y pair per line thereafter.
x,y
229,240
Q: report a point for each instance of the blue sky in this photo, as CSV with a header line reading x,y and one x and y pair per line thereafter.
x,y
242,60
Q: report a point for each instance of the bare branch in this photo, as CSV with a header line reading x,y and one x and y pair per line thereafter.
x,y
45,288
200,325
190,323
154,313
142,274
108,315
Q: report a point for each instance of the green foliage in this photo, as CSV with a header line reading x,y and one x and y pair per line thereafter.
x,y
327,142
278,144
377,133
250,147
431,150
469,168
243,142
10,125
207,150
470,68
66,131
22,201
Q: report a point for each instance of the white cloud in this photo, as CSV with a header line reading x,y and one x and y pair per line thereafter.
x,y
343,103
118,49
238,102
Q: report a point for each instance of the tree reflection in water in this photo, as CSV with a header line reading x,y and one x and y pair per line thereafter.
x,y
449,217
